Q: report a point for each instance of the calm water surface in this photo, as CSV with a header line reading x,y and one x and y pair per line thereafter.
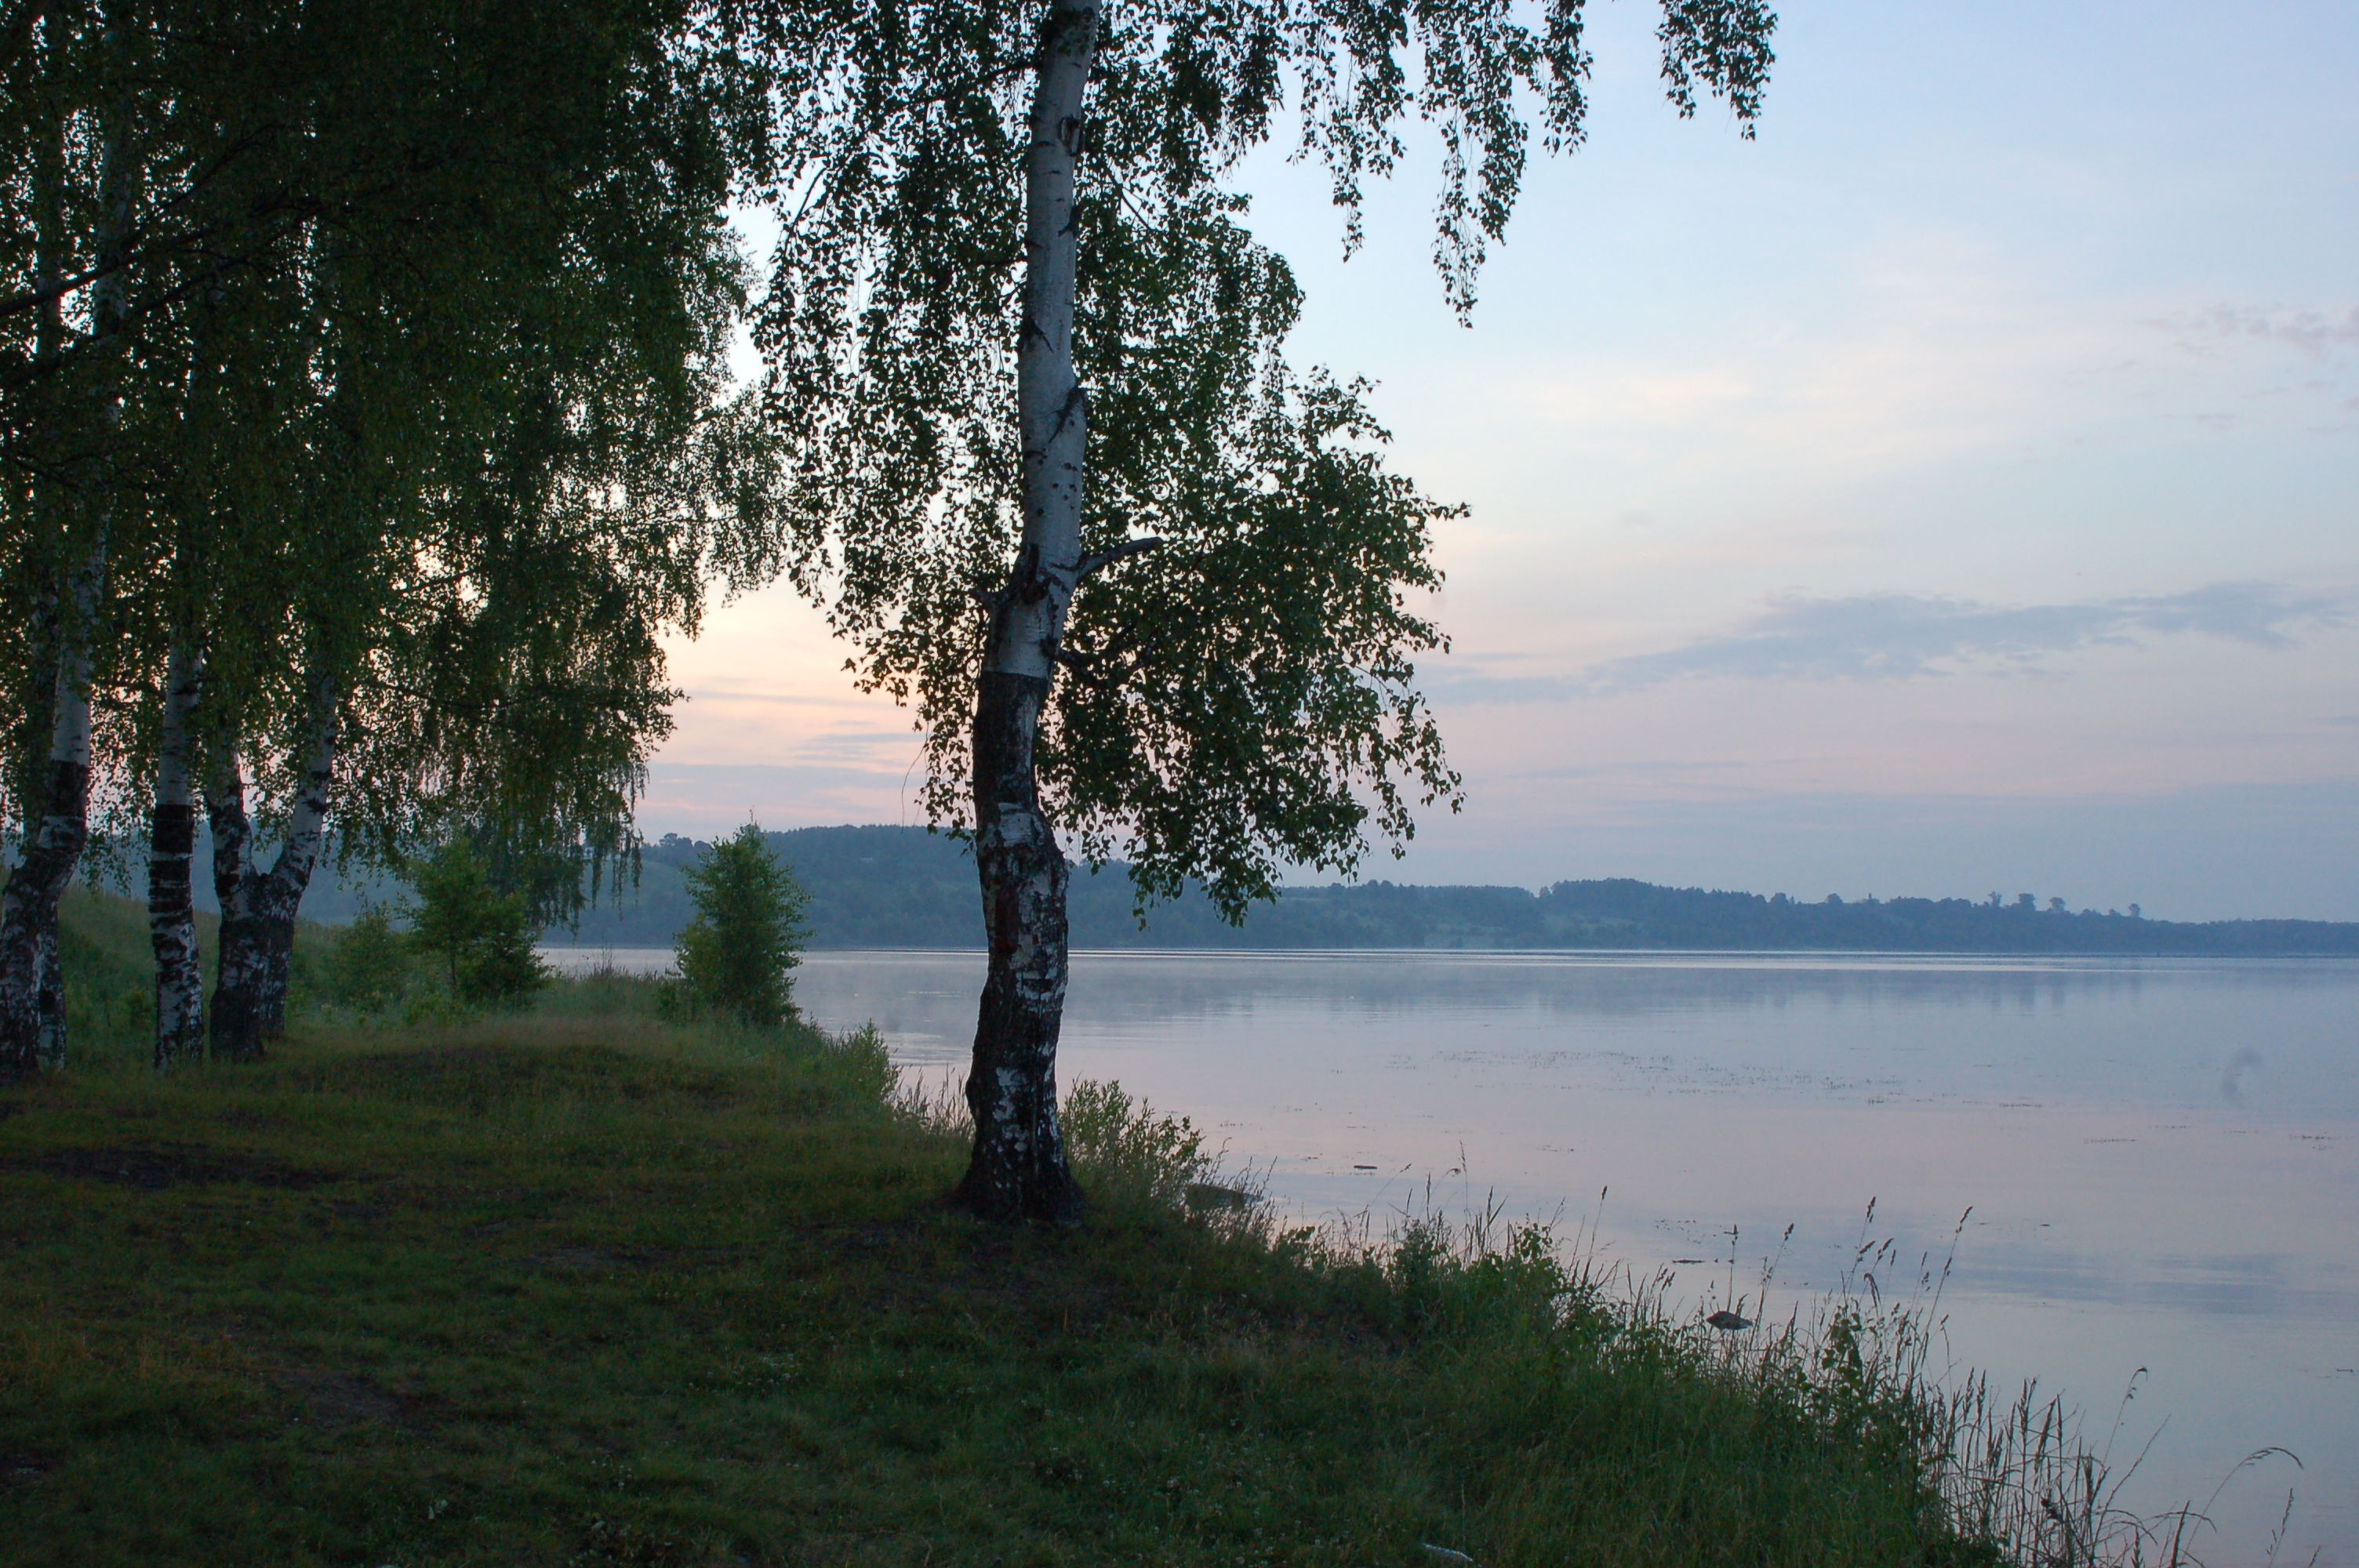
x,y
2160,1156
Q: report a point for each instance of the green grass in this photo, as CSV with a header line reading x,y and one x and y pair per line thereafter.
x,y
584,1286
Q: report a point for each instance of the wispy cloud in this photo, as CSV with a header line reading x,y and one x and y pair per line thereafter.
x,y
2312,332
1898,636
1902,636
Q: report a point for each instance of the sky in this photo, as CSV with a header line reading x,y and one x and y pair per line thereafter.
x,y
1953,491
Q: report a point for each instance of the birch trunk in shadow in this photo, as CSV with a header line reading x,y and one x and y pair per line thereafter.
x,y
257,925
32,995
172,843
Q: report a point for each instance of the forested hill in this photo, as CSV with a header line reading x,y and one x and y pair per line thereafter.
x,y
902,887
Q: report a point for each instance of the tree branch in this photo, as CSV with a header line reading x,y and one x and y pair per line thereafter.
x,y
1084,668
1091,564
149,241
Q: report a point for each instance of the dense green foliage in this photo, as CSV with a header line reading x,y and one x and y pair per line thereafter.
x,y
1240,695
901,886
738,954
581,1287
481,937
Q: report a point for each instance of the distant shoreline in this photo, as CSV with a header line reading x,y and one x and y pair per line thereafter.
x,y
904,889
1245,952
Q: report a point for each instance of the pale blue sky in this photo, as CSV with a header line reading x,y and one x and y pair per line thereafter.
x,y
1955,490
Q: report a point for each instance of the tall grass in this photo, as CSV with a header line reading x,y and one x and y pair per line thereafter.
x,y
2020,1471
2001,1479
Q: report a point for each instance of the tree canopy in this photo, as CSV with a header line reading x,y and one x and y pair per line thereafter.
x,y
1241,696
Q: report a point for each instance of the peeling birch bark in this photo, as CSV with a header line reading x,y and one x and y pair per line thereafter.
x,y
172,843
257,928
1018,1169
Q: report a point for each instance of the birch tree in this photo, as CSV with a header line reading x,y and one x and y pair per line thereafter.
x,y
226,453
425,302
519,471
1150,589
156,186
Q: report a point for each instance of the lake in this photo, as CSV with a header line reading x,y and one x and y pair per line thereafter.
x,y
2160,1157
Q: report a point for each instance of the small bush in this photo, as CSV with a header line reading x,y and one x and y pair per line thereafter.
x,y
607,992
368,968
1127,1155
1124,1151
737,955
504,966
483,936
863,1066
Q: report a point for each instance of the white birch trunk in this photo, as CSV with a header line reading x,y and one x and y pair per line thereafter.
x,y
1018,1169
172,841
235,885
290,873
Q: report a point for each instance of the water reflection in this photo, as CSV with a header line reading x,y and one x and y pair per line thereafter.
x,y
2164,1032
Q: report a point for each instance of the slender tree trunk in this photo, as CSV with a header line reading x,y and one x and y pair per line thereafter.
x,y
257,928
172,843
290,873
35,941
32,986
29,784
1018,1169
236,1033
32,983
32,993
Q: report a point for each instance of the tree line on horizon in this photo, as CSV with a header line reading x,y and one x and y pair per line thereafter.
x,y
902,887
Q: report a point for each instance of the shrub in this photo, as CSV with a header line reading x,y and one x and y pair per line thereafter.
x,y
1124,1151
862,1064
369,965
736,954
483,936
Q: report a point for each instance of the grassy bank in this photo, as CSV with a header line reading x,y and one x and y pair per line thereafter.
x,y
585,1286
